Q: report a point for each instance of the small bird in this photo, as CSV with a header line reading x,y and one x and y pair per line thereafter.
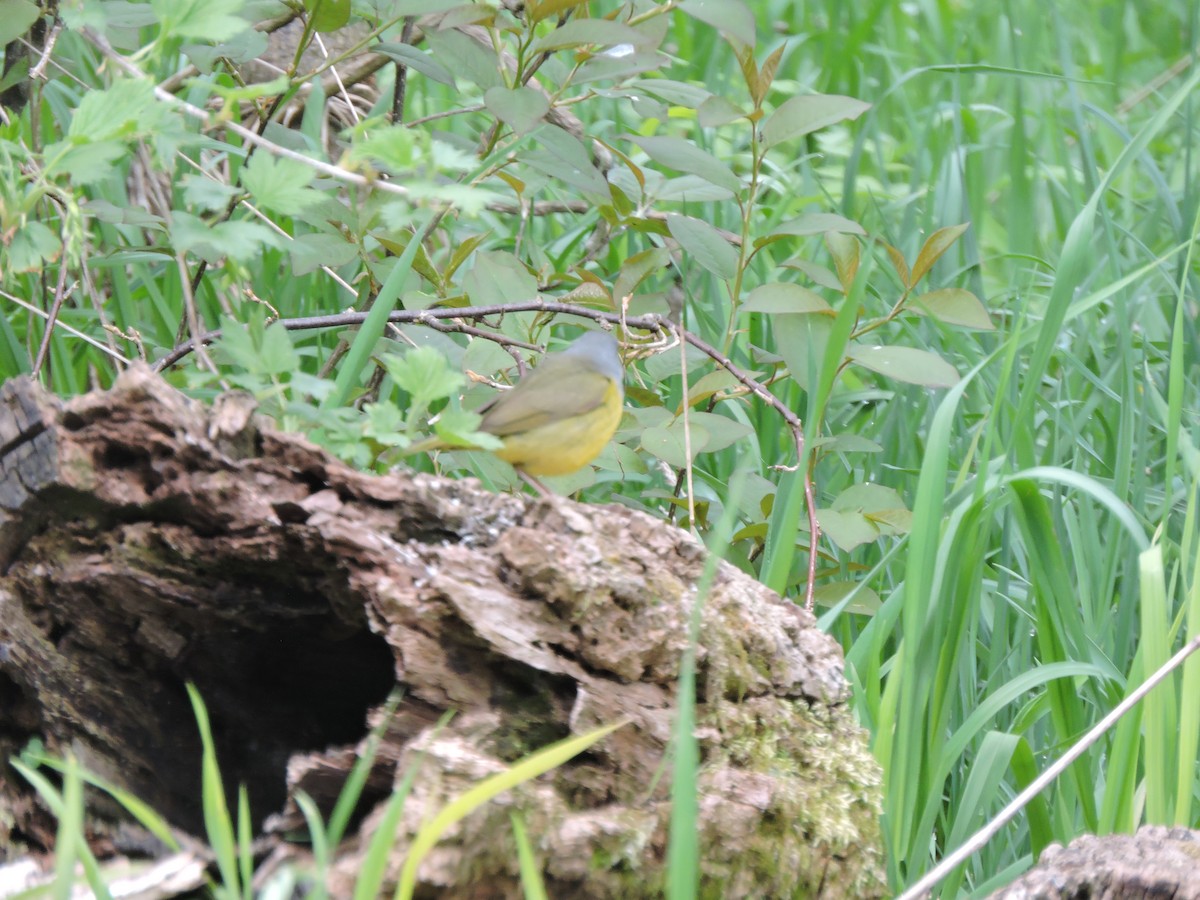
x,y
561,415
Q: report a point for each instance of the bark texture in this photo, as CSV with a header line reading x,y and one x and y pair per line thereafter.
x,y
147,541
1155,862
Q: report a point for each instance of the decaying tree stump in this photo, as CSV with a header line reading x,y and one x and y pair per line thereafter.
x,y
147,541
1155,862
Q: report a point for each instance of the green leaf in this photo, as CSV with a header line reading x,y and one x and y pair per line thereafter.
x,y
731,17
704,244
906,364
465,58
521,109
845,252
847,529
328,15
31,246
280,184
717,111
677,93
125,110
425,374
687,157
241,241
638,267
498,277
16,17
818,223
588,32
935,245
954,306
803,115
669,442
781,297
311,251
720,431
544,9
416,59
202,20
568,160
819,275
85,164
865,603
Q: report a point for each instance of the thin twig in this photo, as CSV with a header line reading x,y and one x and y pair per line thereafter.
x,y
63,326
60,294
349,319
337,172
39,71
797,429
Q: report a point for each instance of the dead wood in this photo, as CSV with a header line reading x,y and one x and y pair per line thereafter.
x,y
1155,862
147,541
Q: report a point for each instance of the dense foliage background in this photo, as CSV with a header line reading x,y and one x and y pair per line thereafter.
x,y
951,247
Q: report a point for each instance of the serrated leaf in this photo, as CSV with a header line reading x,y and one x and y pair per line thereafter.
x,y
906,364
803,115
687,157
521,109
31,246
416,59
704,244
280,184
581,32
311,251
328,15
16,18
731,17
782,297
242,241
123,111
201,20
84,164
935,245
845,252
424,373
954,306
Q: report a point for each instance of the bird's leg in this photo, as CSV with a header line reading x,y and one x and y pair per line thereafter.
x,y
539,488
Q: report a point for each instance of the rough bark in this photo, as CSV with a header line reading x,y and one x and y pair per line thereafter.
x,y
147,541
1155,862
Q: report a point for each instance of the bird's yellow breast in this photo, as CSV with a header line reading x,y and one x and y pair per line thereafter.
x,y
564,445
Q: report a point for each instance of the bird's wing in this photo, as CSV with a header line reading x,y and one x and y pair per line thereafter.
x,y
547,394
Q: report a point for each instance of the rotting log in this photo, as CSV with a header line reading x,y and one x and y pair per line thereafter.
x,y
1155,862
147,541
